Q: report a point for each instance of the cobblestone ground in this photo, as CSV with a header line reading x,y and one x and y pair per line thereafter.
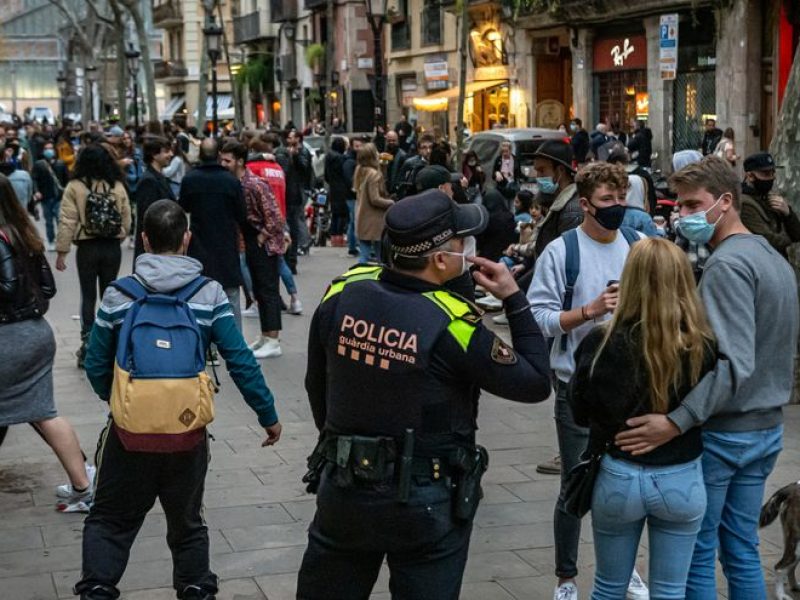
x,y
256,508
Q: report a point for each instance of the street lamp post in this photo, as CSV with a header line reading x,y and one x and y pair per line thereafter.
x,y
213,35
61,80
376,14
132,56
91,77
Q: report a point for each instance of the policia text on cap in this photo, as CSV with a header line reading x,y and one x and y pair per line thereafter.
x,y
395,366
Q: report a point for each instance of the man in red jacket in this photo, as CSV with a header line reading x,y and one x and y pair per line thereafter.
x,y
263,164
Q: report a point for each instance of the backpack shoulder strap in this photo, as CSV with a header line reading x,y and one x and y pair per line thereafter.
x,y
190,289
572,264
630,235
131,287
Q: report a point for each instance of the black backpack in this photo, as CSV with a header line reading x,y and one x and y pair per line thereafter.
x,y
102,219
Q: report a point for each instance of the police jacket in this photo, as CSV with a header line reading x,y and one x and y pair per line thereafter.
x,y
389,352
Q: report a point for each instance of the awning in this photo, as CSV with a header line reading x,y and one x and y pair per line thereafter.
x,y
440,100
173,106
224,102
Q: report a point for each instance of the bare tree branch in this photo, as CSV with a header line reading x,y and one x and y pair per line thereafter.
x,y
100,13
75,24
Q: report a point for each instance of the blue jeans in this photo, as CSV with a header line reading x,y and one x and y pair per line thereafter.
x,y
287,277
50,210
352,242
735,467
670,499
368,249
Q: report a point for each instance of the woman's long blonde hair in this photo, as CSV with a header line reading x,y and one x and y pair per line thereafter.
x,y
366,159
658,296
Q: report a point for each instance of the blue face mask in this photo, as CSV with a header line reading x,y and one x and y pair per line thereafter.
x,y
696,228
49,153
547,185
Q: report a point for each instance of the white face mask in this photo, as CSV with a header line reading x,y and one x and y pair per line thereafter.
x,y
470,251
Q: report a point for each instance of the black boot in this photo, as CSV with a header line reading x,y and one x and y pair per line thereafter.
x,y
80,353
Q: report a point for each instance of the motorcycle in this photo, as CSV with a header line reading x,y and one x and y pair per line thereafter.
x,y
318,215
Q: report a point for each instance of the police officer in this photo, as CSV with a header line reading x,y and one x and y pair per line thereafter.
x,y
394,361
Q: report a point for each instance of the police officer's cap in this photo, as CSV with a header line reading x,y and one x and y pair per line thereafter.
x,y
418,224
760,161
431,177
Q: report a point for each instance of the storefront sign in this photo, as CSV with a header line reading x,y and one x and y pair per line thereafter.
x,y
620,53
408,90
365,63
491,73
668,46
436,75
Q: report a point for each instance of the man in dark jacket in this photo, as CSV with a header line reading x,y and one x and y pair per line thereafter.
x,y
711,137
337,190
413,165
580,140
641,145
153,186
764,213
295,161
214,199
49,177
396,165
554,174
349,170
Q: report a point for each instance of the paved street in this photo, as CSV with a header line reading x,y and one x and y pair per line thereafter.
x,y
256,507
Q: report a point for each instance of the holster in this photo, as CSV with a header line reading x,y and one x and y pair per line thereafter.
x,y
470,464
315,463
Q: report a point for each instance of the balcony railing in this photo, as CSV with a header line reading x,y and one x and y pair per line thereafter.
x,y
165,69
283,10
167,13
247,28
314,4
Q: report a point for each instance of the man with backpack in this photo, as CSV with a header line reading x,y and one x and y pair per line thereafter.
x,y
49,177
574,287
154,329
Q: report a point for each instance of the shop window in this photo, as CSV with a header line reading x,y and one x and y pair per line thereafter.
x,y
401,30
695,99
431,23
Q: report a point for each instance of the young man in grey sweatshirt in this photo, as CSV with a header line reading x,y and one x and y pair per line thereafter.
x,y
750,295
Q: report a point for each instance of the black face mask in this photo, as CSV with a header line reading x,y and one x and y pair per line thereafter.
x,y
763,186
609,217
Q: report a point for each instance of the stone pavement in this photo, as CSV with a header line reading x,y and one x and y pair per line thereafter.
x,y
256,508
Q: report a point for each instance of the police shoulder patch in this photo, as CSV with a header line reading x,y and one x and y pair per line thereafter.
x,y
502,353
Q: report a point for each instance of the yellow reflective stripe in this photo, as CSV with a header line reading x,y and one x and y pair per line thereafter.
x,y
454,308
356,274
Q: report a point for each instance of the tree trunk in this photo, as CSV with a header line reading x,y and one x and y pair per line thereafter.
x,y
147,64
122,65
462,82
786,149
202,83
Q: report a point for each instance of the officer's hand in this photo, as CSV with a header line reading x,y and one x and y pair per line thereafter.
x,y
494,277
273,435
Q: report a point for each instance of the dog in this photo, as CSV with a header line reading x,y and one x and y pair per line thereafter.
x,y
786,502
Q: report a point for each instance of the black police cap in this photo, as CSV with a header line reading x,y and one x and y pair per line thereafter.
x,y
431,177
418,224
760,161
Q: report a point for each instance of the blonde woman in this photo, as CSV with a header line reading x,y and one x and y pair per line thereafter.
x,y
645,360
371,203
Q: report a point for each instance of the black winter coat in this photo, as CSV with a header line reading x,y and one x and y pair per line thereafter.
x,y
153,186
337,182
215,201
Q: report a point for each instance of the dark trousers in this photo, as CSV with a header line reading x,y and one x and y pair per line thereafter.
x,y
265,273
98,263
572,442
355,528
295,220
128,484
50,210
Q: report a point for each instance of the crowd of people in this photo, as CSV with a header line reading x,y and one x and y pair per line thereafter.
x,y
666,326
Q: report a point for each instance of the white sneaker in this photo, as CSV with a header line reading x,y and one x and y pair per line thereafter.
x,y
295,308
66,491
131,243
501,319
269,349
566,591
489,302
637,590
251,312
258,343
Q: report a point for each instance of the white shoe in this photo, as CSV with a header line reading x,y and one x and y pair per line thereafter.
x,y
131,243
66,491
269,349
566,591
501,319
489,302
295,308
51,246
637,590
251,312
258,343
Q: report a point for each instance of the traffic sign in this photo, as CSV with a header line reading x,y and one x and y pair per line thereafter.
x,y
668,46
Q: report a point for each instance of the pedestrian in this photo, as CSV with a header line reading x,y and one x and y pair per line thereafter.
x,y
213,197
413,165
95,215
598,138
371,204
22,182
404,131
154,184
349,170
178,165
500,230
175,470
656,347
726,148
711,137
750,296
472,170
640,145
579,141
295,160
50,177
507,171
337,190
574,286
397,471
28,348
765,212
263,239
395,163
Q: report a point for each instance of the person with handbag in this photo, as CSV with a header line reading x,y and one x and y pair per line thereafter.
x,y
657,346
28,348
